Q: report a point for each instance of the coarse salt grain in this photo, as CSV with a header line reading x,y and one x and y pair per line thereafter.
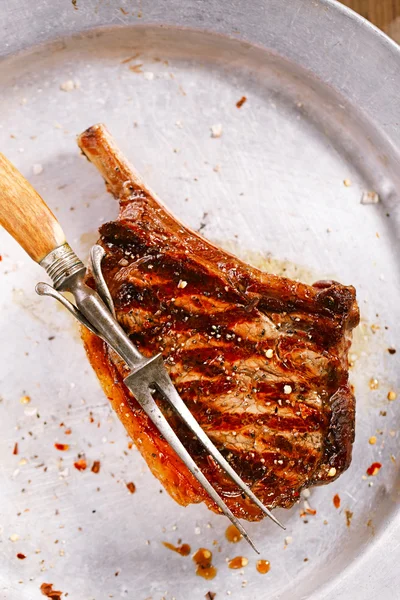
x,y
182,284
369,197
347,182
287,389
216,131
288,540
391,395
373,383
37,169
332,472
14,537
69,85
269,353
372,440
148,75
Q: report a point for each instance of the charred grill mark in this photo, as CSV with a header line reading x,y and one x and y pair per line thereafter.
x,y
307,420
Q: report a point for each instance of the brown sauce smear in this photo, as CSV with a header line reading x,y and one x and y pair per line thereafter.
x,y
203,559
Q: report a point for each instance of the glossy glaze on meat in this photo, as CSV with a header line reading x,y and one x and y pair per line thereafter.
x,y
260,360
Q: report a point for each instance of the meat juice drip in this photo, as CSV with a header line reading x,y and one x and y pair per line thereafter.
x,y
203,558
233,534
183,550
263,566
238,562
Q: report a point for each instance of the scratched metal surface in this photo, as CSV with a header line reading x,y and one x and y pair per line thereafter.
x,y
319,110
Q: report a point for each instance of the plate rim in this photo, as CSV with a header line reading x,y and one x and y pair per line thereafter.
x,y
56,19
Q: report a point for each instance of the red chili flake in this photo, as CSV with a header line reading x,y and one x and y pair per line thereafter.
x,y
80,464
47,590
15,451
21,556
336,501
96,466
240,102
374,469
62,425
311,511
131,487
392,350
61,447
130,445
68,431
1,258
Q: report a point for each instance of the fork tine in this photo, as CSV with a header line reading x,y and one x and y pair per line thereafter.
x,y
147,402
170,393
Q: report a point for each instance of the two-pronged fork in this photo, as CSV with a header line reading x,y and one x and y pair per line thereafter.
x,y
28,219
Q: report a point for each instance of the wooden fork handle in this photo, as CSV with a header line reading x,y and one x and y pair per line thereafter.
x,y
24,214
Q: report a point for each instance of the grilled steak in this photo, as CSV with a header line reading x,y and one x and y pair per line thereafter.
x,y
260,360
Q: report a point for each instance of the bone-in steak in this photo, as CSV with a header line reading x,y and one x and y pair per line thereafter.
x,y
260,360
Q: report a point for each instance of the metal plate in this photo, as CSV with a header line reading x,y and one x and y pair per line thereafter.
x,y
322,107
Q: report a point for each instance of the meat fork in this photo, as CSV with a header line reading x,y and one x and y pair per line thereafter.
x,y
29,220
